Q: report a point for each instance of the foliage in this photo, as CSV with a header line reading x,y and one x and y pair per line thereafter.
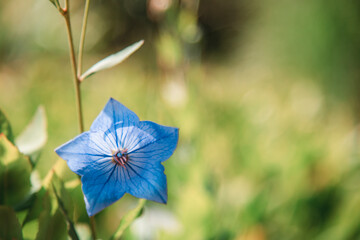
x,y
15,170
112,60
269,137
9,225
129,218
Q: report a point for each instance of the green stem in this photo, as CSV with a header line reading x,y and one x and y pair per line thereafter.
x,y
66,15
92,225
82,37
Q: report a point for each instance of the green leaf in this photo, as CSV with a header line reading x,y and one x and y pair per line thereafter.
x,y
65,204
129,218
36,187
53,196
5,127
52,223
112,60
37,207
59,190
56,3
34,137
15,170
9,224
26,204
73,187
83,231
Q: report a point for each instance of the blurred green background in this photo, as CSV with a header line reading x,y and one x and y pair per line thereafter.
x,y
266,95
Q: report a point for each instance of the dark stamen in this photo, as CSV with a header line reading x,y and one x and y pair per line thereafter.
x,y
121,157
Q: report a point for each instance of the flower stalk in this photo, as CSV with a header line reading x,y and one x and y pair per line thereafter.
x,y
82,37
65,12
92,227
156,193
66,15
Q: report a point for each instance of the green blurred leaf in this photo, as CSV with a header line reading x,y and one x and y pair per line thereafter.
x,y
73,187
65,204
9,224
129,218
36,208
5,127
34,137
26,204
15,170
52,223
112,60
53,196
83,231
30,230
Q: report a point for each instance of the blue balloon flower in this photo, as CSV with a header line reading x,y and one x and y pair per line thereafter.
x,y
120,154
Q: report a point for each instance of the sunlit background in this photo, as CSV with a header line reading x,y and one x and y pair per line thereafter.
x,y
266,95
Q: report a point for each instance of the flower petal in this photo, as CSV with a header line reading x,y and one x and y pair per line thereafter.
x,y
146,181
154,142
87,151
103,187
131,137
146,144
114,113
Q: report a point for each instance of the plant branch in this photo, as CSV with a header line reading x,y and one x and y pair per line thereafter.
x,y
66,15
76,72
82,38
66,5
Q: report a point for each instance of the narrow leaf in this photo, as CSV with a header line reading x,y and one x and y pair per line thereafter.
x,y
113,59
9,224
56,3
64,202
129,218
34,137
5,127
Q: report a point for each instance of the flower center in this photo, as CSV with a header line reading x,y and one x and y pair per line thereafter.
x,y
121,157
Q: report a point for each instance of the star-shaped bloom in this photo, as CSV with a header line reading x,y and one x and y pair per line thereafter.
x,y
120,154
